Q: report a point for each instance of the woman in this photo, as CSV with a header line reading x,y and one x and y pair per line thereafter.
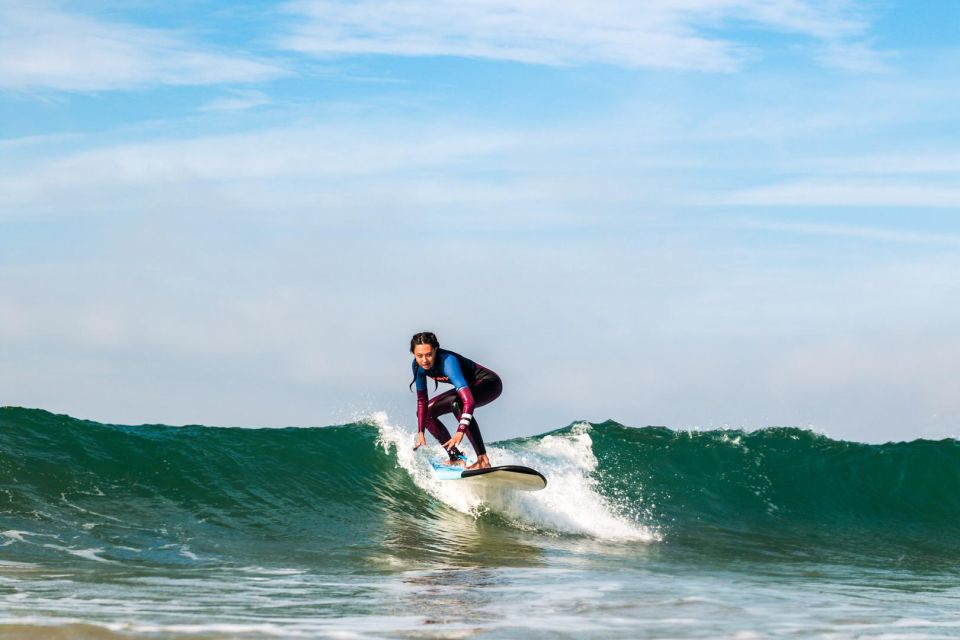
x,y
473,386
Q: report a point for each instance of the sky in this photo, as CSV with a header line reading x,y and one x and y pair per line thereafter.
x,y
690,213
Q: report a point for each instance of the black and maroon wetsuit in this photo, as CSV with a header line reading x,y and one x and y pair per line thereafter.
x,y
473,386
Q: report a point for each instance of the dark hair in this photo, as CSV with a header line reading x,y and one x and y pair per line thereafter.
x,y
424,337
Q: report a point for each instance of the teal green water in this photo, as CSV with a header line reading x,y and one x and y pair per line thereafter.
x,y
118,531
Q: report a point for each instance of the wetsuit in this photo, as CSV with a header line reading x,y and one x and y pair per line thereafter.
x,y
473,386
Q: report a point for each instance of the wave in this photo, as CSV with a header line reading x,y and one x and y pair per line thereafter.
x,y
789,491
75,489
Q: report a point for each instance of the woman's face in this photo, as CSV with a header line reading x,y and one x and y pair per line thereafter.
x,y
424,354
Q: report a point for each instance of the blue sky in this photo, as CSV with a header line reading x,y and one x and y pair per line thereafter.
x,y
697,213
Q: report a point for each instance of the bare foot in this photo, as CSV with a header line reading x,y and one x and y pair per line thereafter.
x,y
482,463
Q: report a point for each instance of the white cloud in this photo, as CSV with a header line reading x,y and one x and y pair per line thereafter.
x,y
238,101
849,193
45,48
370,168
856,57
892,164
859,232
666,34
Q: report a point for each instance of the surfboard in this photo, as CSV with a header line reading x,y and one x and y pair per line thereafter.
x,y
510,476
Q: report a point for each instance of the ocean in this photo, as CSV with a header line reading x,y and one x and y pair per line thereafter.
x,y
110,531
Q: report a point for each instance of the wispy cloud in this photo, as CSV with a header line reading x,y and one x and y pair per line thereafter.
x,y
274,153
855,57
929,164
850,193
662,34
238,101
43,47
339,170
858,232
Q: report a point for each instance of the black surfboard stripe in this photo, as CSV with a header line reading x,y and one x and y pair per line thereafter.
x,y
469,473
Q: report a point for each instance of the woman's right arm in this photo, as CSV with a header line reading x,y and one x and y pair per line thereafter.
x,y
421,381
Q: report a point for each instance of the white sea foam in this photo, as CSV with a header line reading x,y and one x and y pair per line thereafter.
x,y
570,503
13,535
88,554
417,464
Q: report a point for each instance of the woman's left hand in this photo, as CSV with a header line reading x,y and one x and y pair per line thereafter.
x,y
454,441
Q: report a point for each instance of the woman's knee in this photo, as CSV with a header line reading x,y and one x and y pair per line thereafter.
x,y
442,404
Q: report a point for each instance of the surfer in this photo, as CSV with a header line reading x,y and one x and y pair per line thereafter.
x,y
473,386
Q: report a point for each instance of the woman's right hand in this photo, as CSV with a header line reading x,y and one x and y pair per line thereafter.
x,y
421,440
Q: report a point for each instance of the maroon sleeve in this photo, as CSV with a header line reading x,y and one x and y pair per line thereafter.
x,y
421,410
466,397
